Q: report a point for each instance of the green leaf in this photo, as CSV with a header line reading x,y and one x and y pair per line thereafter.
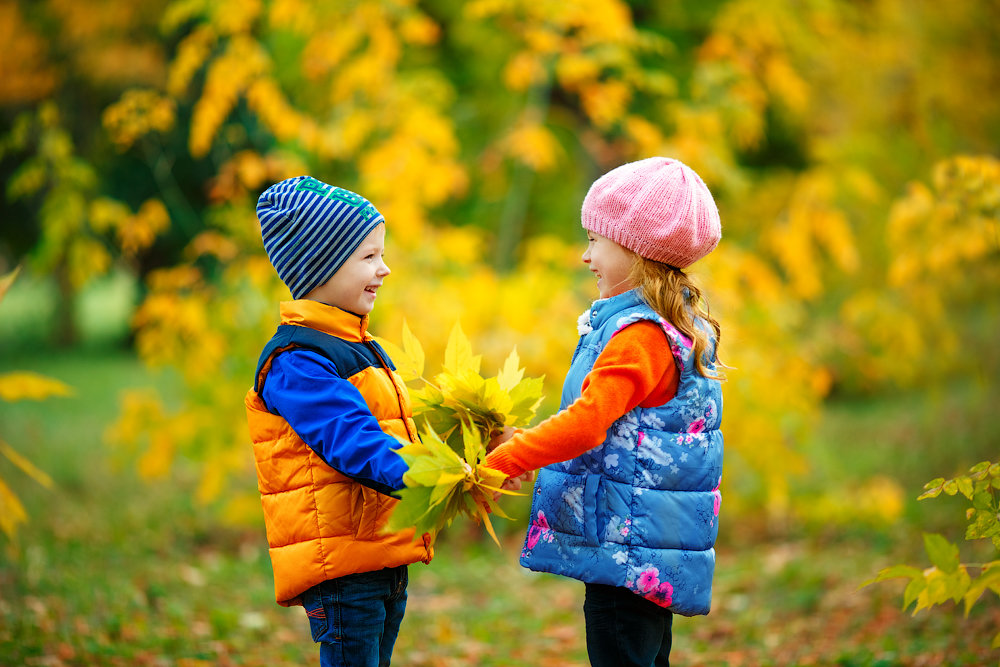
x,y
965,487
958,583
473,444
913,591
932,489
980,470
937,591
445,488
526,397
895,572
412,508
983,498
989,579
943,554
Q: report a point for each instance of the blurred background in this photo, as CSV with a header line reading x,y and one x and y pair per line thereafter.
x,y
852,148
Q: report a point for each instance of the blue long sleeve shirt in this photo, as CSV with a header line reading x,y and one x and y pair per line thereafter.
x,y
331,416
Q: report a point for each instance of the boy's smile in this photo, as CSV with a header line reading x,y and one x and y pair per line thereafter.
x,y
354,286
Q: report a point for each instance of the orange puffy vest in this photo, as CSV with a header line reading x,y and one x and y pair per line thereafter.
x,y
320,523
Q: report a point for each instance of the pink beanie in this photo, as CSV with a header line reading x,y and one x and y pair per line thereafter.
x,y
657,207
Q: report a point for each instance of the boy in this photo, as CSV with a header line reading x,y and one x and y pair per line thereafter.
x,y
323,411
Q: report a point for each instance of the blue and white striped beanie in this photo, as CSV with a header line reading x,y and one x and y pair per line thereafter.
x,y
310,228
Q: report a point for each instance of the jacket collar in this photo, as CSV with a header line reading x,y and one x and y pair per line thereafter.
x,y
328,319
604,309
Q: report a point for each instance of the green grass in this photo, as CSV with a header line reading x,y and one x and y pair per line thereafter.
x,y
113,570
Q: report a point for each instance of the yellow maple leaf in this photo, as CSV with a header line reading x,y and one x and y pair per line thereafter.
x,y
458,357
409,359
511,373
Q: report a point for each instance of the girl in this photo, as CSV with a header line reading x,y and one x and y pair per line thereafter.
x,y
629,499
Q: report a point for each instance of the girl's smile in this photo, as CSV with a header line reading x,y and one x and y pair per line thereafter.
x,y
610,262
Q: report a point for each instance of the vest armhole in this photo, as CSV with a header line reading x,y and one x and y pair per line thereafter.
x,y
666,328
266,368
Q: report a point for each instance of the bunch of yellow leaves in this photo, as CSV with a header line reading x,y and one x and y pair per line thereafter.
x,y
462,411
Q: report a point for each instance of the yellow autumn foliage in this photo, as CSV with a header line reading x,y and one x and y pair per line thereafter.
x,y
71,215
945,239
136,114
818,286
25,75
21,386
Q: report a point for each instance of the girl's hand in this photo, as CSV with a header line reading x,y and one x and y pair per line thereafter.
x,y
503,436
511,484
514,483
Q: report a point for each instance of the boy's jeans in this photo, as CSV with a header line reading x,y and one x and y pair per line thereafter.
x,y
626,629
355,619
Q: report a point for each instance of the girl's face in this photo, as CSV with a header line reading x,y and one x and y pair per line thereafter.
x,y
611,264
353,286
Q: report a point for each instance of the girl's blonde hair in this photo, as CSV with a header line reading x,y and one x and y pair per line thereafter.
x,y
674,296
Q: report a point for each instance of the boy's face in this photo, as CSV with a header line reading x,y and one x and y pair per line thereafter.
x,y
353,286
611,264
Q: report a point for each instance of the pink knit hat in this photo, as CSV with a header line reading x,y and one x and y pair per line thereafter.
x,y
658,208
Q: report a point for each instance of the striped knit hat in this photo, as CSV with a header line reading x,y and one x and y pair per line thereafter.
x,y
311,228
658,208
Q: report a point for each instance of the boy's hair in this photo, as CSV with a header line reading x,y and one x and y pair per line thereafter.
x,y
310,228
657,207
674,296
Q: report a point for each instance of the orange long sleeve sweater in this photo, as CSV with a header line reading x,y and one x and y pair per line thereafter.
x,y
635,368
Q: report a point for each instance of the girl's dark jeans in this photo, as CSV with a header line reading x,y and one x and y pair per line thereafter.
x,y
624,629
355,619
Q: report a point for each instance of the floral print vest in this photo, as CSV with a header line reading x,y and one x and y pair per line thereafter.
x,y
640,510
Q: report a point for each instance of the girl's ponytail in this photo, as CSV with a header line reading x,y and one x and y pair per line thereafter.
x,y
674,296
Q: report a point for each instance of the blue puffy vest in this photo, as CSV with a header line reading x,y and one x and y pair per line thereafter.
x,y
639,511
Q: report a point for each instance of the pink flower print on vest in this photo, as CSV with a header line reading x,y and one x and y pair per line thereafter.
x,y
717,498
539,530
650,587
697,426
695,432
